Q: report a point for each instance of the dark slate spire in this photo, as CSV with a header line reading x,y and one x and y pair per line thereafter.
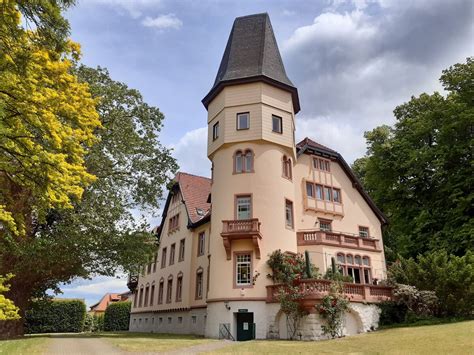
x,y
252,55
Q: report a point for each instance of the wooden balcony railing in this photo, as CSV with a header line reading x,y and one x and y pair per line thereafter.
x,y
241,229
316,289
318,237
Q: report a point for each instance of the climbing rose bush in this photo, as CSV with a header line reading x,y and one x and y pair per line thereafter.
x,y
332,310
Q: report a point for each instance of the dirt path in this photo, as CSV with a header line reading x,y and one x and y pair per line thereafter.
x,y
63,345
75,345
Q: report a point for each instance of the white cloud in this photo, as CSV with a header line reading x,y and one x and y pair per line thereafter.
x,y
358,60
163,22
97,286
191,152
134,8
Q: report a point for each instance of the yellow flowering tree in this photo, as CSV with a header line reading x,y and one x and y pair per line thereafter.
x,y
47,124
8,311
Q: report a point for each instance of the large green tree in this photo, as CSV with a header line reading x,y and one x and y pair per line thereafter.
x,y
67,196
420,171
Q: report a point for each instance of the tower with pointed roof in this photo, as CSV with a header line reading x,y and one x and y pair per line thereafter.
x,y
251,123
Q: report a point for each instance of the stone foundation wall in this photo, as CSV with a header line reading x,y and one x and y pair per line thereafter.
x,y
360,319
184,322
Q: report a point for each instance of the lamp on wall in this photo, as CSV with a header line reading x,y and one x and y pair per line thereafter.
x,y
226,304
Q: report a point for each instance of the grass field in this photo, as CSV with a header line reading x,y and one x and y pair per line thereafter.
x,y
153,342
455,338
452,338
29,345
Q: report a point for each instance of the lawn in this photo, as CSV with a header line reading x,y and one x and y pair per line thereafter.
x,y
31,345
153,342
454,338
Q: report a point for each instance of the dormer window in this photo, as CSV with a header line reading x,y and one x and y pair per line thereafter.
x,y
243,120
200,212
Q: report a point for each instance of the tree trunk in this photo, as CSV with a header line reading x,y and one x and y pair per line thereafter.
x,y
20,297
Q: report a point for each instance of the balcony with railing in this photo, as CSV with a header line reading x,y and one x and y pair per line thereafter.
x,y
316,289
346,240
241,229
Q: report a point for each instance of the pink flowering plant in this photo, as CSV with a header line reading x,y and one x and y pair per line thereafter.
x,y
332,310
288,270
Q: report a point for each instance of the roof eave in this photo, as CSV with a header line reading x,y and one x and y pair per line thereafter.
x,y
252,79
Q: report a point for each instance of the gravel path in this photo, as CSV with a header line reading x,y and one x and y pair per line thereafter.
x,y
64,345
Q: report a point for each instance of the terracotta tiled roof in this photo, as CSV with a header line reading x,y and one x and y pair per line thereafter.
x,y
314,144
108,298
195,190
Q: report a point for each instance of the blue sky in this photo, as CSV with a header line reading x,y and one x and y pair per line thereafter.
x,y
353,61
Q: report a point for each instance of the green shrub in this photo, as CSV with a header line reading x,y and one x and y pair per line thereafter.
x,y
98,323
117,316
450,277
47,316
392,313
88,323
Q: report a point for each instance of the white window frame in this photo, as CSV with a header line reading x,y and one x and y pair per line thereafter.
x,y
246,119
243,262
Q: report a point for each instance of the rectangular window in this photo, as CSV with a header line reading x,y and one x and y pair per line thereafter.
x,y
310,189
163,258
160,320
169,291
179,288
363,232
336,195
243,120
180,320
160,292
181,250
244,207
215,131
321,164
201,243
289,220
199,285
170,320
327,193
152,295
193,319
277,124
325,225
173,223
319,192
367,276
243,269
172,252
147,291
155,260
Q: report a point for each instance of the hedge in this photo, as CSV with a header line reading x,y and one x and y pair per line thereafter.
x,y
117,316
55,317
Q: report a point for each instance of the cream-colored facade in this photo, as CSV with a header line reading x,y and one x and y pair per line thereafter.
x,y
266,193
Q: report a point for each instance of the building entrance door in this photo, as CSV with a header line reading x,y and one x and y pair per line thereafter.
x,y
245,326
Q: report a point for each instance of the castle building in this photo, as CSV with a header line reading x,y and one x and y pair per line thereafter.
x,y
267,192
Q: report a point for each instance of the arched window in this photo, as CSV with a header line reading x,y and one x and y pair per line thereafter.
x,y
357,267
147,292
199,283
238,162
243,161
287,167
140,297
169,289
152,294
